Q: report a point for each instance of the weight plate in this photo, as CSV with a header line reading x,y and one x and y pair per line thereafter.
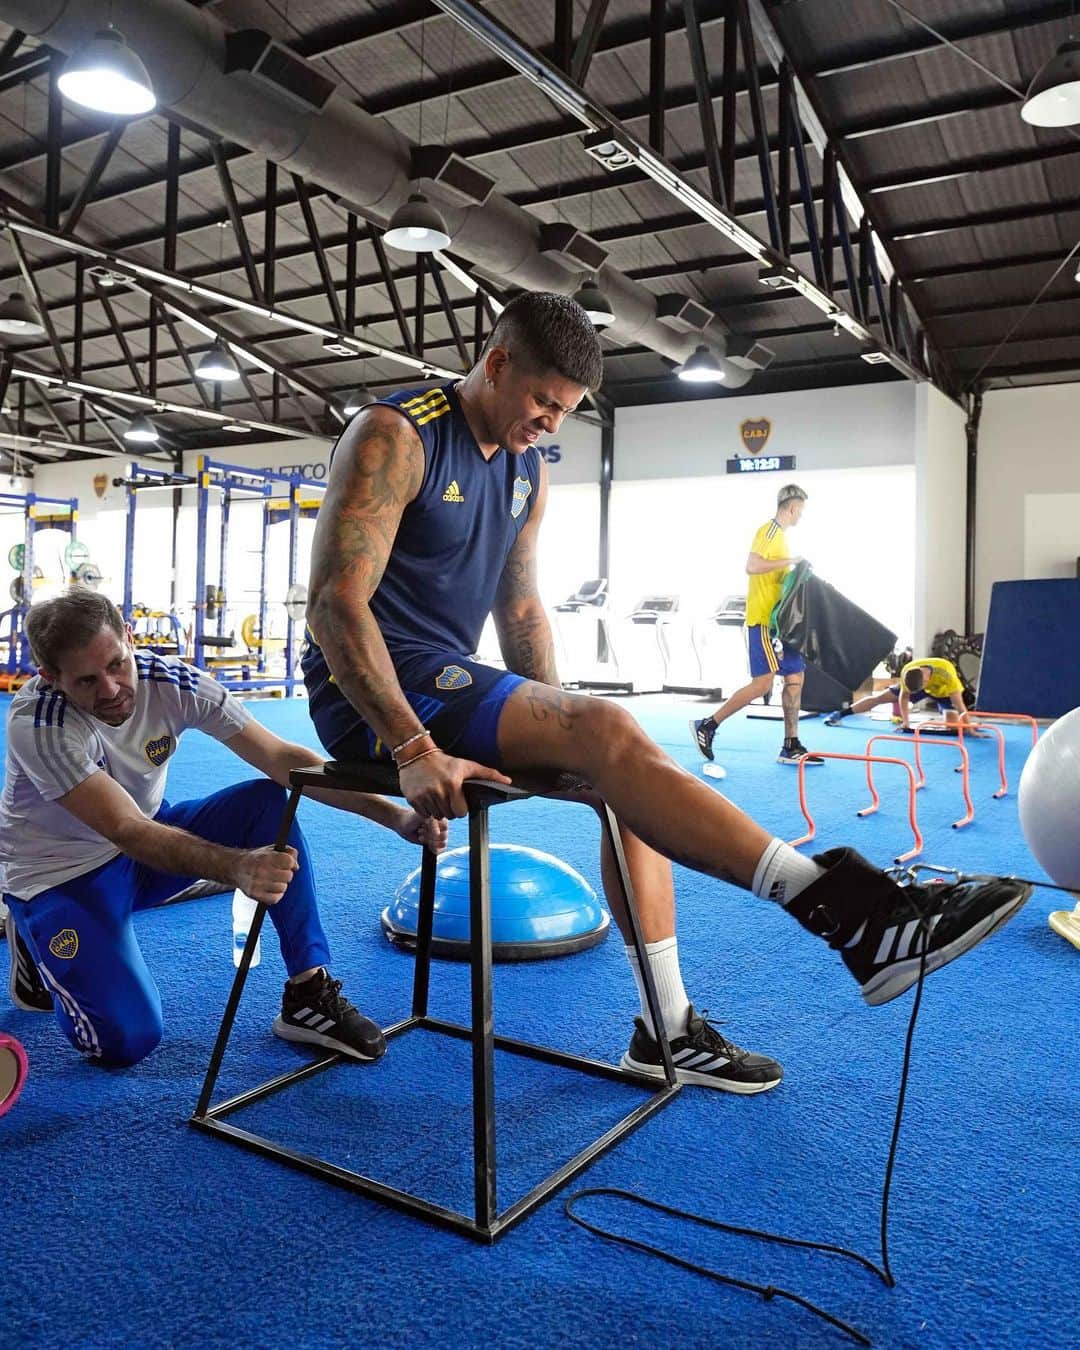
x,y
296,602
76,553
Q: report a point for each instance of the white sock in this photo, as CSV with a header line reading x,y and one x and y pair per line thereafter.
x,y
674,1005
782,873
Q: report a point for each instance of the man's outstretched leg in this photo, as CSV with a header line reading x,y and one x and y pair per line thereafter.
x,y
875,923
864,705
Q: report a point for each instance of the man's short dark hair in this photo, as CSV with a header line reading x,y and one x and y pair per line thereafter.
x,y
68,622
551,332
914,679
790,492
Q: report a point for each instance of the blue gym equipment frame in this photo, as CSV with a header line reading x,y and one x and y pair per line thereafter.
x,y
20,661
212,475
142,477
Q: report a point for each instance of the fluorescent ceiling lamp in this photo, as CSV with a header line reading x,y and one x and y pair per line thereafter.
x,y
106,75
417,227
701,368
18,315
594,302
141,429
217,364
237,428
358,398
1053,97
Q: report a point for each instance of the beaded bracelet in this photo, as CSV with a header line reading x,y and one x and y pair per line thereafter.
x,y
422,755
419,736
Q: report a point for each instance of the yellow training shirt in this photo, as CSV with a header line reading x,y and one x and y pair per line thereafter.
x,y
943,682
764,589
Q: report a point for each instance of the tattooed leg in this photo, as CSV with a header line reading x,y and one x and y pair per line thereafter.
x,y
663,809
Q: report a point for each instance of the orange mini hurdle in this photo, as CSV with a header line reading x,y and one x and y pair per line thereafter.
x,y
958,727
973,715
920,781
867,760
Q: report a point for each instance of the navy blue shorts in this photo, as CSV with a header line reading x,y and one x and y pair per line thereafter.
x,y
944,704
769,656
457,699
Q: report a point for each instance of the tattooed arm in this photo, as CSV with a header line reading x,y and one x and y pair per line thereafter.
x,y
377,470
520,621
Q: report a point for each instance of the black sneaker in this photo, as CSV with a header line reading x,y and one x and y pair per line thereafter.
x,y
792,751
703,1057
317,1013
25,985
703,733
881,925
835,718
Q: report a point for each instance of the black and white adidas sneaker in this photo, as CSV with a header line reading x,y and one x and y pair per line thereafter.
x,y
316,1012
25,986
881,927
704,1058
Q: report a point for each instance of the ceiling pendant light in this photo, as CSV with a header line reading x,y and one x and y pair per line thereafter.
x,y
217,364
106,75
18,316
701,368
1053,97
417,227
142,430
356,399
594,302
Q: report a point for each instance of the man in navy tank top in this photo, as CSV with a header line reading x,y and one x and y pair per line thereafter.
x,y
430,522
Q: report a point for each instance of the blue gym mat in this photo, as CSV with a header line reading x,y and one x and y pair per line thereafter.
x,y
122,1226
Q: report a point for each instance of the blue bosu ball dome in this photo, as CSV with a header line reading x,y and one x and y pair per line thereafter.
x,y
539,907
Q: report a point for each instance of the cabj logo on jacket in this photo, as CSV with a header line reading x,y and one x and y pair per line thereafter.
x,y
159,750
453,677
65,944
522,488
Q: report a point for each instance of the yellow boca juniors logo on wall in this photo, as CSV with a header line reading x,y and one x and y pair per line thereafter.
x,y
753,433
159,749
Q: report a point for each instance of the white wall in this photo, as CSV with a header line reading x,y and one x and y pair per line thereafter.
x,y
1029,447
823,428
940,515
1051,537
681,524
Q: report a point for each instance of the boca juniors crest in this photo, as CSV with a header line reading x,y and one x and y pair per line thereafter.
x,y
453,677
65,944
522,488
159,750
754,432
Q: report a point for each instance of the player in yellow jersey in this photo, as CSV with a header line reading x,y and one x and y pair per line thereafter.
x,y
768,561
929,681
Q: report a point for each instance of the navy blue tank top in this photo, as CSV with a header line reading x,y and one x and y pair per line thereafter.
x,y
452,543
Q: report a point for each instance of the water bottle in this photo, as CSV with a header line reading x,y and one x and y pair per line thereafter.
x,y
243,911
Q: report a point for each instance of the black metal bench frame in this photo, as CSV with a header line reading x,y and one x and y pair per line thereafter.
x,y
488,1223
